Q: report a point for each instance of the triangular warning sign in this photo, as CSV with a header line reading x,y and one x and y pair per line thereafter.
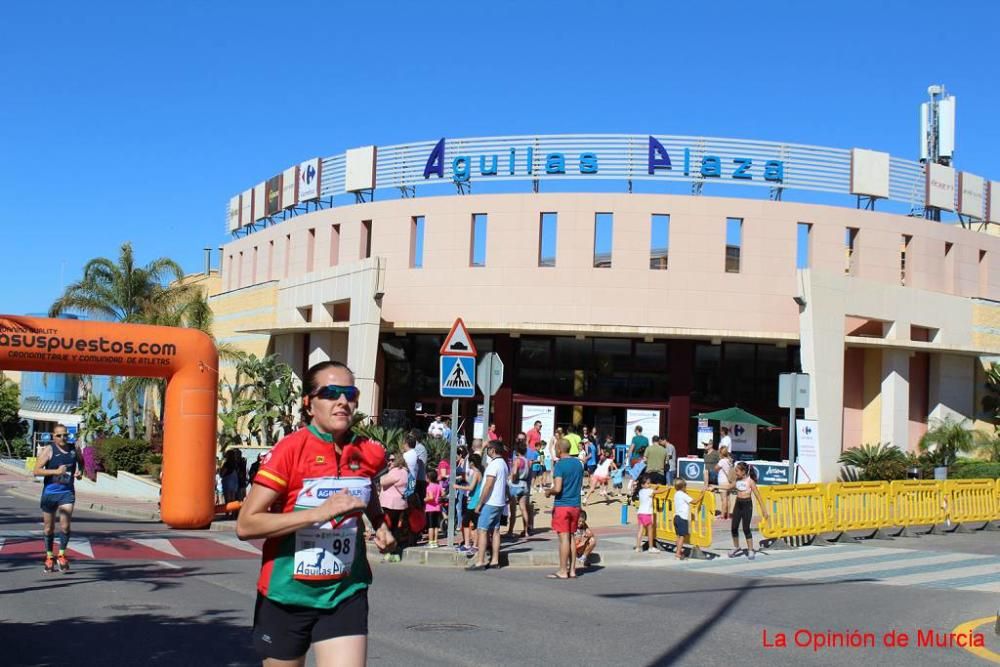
x,y
458,379
458,342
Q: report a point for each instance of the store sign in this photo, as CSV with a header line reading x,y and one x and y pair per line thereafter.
x,y
521,162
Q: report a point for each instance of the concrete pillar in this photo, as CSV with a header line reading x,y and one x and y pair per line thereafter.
x,y
288,347
952,387
326,346
821,331
895,414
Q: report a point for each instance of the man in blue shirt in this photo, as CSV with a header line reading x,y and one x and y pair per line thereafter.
x,y
567,483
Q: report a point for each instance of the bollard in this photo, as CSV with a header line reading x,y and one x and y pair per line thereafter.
x,y
624,515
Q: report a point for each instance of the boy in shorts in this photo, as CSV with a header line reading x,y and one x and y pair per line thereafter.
x,y
682,515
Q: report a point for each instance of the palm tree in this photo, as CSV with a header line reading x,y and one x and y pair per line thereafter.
x,y
120,291
946,440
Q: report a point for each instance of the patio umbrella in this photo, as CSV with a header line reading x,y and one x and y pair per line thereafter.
x,y
737,415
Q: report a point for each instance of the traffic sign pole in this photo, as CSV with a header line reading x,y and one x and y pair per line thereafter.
x,y
791,429
453,516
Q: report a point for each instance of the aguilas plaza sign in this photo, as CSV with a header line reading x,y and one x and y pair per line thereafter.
x,y
522,162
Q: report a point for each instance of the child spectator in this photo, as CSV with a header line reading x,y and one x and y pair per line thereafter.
x,y
601,477
644,493
682,515
432,506
585,541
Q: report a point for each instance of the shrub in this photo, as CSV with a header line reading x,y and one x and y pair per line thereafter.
x,y
90,463
21,448
875,462
974,470
121,454
438,449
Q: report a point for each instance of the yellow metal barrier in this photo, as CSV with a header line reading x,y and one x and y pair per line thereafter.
x,y
701,516
794,510
917,503
971,500
858,506
30,463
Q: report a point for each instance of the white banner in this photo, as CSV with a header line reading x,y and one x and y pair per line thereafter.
x,y
649,420
542,413
233,215
704,433
744,436
807,450
309,177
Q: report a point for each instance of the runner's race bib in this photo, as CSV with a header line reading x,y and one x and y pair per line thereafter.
x,y
325,552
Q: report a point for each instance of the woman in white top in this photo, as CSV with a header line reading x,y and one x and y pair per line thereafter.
x,y
726,477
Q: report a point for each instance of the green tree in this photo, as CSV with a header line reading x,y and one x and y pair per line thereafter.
x,y
121,291
94,421
946,440
273,393
11,426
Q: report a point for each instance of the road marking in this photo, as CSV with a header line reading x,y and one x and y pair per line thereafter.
x,y
236,544
158,544
168,564
81,546
979,652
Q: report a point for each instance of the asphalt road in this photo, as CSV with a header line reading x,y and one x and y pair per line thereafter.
x,y
197,611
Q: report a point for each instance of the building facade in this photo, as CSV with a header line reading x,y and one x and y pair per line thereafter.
x,y
602,302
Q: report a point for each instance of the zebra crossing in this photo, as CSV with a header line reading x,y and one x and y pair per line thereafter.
x,y
864,564
27,544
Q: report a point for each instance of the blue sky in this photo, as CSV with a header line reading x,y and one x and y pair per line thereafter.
x,y
137,121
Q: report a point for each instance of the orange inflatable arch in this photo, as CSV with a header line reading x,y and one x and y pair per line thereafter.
x,y
187,358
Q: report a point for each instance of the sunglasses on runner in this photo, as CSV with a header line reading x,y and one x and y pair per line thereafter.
x,y
58,435
332,392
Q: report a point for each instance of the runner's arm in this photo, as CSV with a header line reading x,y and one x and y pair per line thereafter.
x,y
40,470
760,501
255,521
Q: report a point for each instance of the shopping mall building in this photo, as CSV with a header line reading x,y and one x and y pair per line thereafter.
x,y
689,287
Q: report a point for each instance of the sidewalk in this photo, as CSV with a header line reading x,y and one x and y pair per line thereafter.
x,y
614,548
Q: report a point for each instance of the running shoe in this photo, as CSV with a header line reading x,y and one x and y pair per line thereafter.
x,y
63,564
734,553
50,564
751,554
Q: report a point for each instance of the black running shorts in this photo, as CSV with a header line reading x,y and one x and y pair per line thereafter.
x,y
285,632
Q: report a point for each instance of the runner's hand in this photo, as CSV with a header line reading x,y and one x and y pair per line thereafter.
x,y
61,470
339,504
384,539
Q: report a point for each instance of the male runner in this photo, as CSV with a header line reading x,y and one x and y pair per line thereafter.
x,y
59,464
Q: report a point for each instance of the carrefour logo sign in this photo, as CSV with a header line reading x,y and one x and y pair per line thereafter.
x,y
521,162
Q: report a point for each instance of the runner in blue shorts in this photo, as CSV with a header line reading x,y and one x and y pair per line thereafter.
x,y
59,465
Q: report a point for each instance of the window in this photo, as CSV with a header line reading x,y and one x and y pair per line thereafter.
x,y
239,271
288,253
334,245
949,267
603,233
310,250
547,239
983,276
253,268
803,246
417,242
903,248
232,271
366,239
850,246
477,251
734,240
270,260
659,241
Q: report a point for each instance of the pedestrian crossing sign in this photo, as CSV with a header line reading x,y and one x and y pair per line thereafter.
x,y
458,377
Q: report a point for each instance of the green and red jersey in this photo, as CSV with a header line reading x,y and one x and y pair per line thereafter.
x,y
304,468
